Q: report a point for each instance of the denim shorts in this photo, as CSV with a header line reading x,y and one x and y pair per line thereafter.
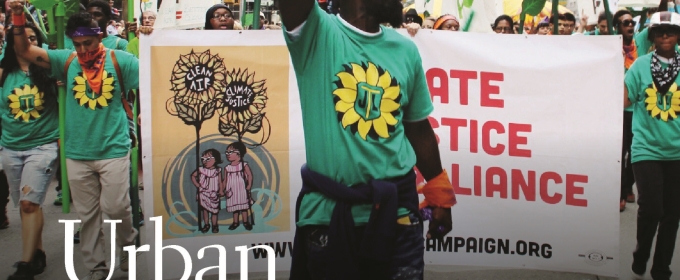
x,y
32,168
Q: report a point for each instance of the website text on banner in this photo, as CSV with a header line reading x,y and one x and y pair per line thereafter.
x,y
531,142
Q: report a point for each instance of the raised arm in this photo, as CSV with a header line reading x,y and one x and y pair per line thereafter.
x,y
295,12
35,55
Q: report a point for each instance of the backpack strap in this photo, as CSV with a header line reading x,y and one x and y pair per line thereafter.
x,y
68,63
123,93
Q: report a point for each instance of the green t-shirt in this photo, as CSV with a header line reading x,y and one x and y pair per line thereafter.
x,y
656,127
29,116
110,42
133,47
355,91
96,124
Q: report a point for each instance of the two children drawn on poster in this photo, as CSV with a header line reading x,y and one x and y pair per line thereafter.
x,y
234,182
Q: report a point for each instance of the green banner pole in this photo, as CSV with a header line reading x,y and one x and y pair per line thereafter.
x,y
58,27
522,18
609,17
555,16
134,157
256,15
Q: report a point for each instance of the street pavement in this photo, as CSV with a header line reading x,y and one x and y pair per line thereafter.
x,y
53,236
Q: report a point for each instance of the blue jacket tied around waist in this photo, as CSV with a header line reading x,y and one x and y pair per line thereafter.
x,y
379,234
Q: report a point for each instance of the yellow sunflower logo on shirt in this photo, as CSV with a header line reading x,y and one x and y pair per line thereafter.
x,y
26,103
663,106
89,99
367,100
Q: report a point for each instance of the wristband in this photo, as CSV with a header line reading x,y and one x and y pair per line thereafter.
x,y
438,192
19,20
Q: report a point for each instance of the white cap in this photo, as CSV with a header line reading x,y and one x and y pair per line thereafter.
x,y
664,18
262,14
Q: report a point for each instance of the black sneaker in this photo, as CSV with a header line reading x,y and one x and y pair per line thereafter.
x,y
39,262
24,272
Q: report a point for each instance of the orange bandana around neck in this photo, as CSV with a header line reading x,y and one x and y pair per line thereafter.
x,y
92,63
630,54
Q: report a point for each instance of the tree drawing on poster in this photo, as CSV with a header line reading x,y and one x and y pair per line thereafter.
x,y
196,81
227,165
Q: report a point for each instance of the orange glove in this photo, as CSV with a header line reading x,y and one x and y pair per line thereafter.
x,y
438,192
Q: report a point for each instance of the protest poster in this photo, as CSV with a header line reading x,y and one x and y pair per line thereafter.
x,y
530,137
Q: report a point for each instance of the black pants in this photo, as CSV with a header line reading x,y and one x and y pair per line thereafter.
x,y
407,260
627,178
4,195
658,184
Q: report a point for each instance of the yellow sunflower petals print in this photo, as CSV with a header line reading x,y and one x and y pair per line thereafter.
x,y
651,92
389,106
372,74
385,80
342,107
368,100
89,99
364,127
359,73
380,127
389,119
663,106
391,93
346,95
350,117
102,102
348,81
26,103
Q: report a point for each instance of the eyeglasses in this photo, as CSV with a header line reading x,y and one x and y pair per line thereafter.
x,y
204,159
503,29
232,152
628,22
218,16
149,18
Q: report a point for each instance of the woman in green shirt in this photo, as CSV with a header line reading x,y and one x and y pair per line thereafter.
x,y
651,87
30,129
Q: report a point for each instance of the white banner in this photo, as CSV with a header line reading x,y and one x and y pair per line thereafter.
x,y
531,142
183,14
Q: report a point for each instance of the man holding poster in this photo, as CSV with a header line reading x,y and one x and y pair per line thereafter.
x,y
365,122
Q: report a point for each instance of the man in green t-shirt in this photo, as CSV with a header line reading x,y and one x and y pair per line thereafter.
x,y
97,143
365,104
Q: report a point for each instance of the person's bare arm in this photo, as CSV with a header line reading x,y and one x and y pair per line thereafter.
x,y
295,12
35,55
424,142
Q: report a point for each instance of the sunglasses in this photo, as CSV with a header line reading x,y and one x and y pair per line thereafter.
x,y
232,152
628,22
661,31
